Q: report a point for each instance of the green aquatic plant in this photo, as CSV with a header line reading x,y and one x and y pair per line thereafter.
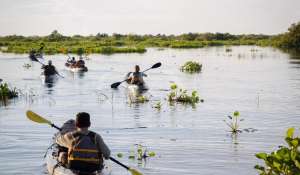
x,y
234,122
191,67
285,160
182,96
157,105
7,93
138,152
119,155
141,99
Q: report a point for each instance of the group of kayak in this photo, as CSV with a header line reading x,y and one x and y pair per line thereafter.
x,y
76,150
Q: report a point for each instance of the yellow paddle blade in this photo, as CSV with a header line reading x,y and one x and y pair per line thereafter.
x,y
134,172
36,118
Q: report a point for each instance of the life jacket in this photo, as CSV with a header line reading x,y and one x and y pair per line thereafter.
x,y
84,155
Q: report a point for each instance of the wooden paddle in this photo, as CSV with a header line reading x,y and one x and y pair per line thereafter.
x,y
39,119
115,85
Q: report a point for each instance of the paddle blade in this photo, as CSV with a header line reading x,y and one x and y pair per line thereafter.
x,y
36,118
115,85
134,171
156,65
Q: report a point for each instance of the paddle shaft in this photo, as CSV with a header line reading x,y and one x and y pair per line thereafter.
x,y
118,83
119,163
56,127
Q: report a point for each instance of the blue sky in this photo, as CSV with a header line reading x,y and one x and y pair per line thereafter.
x,y
41,17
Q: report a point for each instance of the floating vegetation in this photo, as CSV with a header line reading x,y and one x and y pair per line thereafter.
x,y
138,152
234,122
27,66
191,67
7,93
157,105
285,160
141,99
182,96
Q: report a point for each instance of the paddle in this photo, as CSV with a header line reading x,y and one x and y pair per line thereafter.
x,y
115,85
39,119
133,171
45,65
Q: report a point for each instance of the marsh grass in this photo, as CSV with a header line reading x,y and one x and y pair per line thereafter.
x,y
7,93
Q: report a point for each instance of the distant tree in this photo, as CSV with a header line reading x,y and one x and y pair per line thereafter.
x,y
55,36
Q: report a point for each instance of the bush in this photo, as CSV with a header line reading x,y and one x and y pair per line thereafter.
x,y
191,67
285,160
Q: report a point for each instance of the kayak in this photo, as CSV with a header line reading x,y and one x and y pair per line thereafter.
x,y
75,69
135,92
54,167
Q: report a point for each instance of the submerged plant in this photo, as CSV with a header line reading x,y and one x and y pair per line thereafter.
x,y
285,160
191,67
181,95
234,122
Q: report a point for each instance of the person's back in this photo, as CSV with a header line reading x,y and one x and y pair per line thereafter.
x,y
137,76
49,69
80,63
86,149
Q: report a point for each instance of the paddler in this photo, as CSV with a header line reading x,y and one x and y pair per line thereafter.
x,y
136,77
49,69
80,62
86,149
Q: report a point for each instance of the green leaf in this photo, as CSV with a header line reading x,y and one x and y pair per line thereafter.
x,y
236,113
297,163
258,167
290,132
262,156
294,142
277,165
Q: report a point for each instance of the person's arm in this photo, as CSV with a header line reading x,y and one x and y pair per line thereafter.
x,y
144,75
65,140
103,147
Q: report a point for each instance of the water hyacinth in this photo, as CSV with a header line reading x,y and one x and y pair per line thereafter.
x,y
182,95
285,160
234,122
191,67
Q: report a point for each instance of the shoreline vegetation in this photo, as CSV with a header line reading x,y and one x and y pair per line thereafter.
x,y
56,43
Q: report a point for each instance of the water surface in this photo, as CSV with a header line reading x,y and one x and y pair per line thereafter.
x,y
264,85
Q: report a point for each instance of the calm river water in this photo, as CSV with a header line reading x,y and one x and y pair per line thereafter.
x,y
263,84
